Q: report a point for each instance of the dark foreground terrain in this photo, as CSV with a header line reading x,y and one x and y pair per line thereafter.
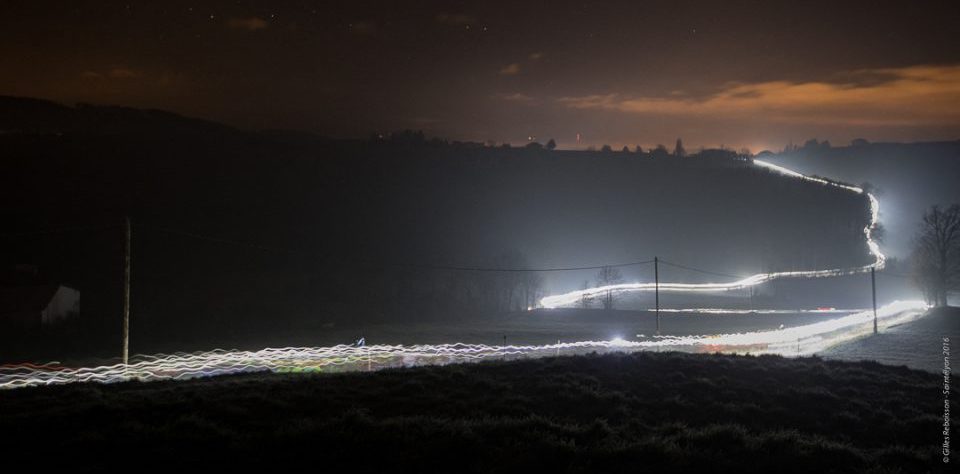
x,y
612,413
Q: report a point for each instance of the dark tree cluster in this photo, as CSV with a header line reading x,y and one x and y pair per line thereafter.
x,y
936,254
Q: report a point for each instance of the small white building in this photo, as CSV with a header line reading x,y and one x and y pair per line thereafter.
x,y
36,306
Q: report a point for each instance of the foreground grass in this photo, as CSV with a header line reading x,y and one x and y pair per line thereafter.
x,y
612,413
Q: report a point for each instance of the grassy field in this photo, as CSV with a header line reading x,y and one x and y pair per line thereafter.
x,y
917,344
641,412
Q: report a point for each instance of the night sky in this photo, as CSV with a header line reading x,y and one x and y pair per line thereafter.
x,y
737,73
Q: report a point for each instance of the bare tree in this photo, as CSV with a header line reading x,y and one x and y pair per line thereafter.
x,y
660,152
678,150
532,284
605,277
585,300
509,291
936,254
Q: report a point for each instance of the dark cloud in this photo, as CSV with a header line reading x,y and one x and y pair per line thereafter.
x,y
910,96
363,27
620,71
455,19
116,72
249,24
516,97
511,69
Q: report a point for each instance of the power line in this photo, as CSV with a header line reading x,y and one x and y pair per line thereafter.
x,y
708,272
393,264
558,269
225,241
62,230
428,266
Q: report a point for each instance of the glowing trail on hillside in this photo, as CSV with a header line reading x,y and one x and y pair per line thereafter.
x,y
755,311
798,340
573,297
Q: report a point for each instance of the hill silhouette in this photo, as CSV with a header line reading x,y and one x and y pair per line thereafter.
x,y
907,177
241,232
25,115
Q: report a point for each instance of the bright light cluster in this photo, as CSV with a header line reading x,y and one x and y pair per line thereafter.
x,y
797,340
810,338
573,297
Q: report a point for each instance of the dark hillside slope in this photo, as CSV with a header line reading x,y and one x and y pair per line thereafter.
x,y
350,230
908,178
24,115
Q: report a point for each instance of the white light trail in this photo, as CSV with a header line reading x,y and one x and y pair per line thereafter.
x,y
754,311
573,297
799,340
813,337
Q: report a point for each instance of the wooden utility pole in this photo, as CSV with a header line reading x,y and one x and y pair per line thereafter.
x,y
873,284
656,288
126,292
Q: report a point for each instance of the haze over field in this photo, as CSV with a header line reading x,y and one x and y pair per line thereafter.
x,y
377,238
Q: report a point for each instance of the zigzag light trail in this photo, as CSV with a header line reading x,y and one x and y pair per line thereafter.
x,y
565,299
792,341
799,340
